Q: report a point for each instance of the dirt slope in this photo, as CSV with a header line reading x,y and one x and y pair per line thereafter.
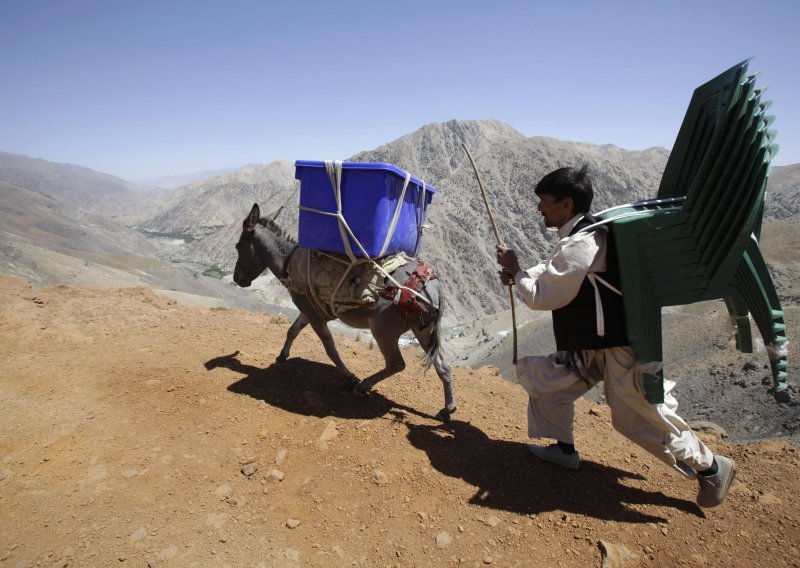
x,y
136,432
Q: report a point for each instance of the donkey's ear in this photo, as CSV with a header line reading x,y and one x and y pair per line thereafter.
x,y
275,214
252,219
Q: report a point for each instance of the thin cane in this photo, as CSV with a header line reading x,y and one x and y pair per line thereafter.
x,y
499,242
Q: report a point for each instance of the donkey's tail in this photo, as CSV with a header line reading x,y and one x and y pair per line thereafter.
x,y
435,344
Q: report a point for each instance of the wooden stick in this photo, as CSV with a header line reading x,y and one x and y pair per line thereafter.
x,y
499,242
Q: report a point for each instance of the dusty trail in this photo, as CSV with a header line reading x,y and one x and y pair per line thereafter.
x,y
136,432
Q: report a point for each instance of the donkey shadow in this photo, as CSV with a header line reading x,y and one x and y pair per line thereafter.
x,y
505,475
307,388
508,478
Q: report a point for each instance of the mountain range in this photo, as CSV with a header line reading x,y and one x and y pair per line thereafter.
x,y
75,208
459,242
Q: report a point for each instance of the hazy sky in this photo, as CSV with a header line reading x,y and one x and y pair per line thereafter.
x,y
140,88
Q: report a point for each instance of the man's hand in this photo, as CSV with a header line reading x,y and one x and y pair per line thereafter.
x,y
506,277
507,259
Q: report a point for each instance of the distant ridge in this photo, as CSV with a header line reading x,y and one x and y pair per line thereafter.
x,y
206,215
177,180
72,185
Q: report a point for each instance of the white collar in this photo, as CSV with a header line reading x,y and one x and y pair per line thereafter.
x,y
566,229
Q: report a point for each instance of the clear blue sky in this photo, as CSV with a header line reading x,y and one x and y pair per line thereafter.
x,y
140,88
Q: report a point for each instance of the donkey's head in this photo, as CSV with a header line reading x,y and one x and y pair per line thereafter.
x,y
250,261
261,245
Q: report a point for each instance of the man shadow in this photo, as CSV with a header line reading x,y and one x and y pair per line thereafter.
x,y
508,478
307,388
505,475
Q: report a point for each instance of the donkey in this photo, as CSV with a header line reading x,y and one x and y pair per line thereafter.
x,y
264,245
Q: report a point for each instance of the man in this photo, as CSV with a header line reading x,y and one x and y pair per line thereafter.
x,y
579,283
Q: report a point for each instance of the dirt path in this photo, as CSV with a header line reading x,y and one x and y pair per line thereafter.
x,y
136,432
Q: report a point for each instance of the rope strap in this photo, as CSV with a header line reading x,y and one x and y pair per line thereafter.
x,y
598,304
334,170
395,217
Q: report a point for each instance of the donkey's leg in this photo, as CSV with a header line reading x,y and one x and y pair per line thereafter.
x,y
427,337
324,334
294,330
387,343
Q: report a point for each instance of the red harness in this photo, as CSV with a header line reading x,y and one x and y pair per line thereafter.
x,y
409,304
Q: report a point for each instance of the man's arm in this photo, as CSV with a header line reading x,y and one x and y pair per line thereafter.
x,y
554,283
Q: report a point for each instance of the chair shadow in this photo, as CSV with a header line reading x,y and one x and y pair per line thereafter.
x,y
307,388
505,475
508,478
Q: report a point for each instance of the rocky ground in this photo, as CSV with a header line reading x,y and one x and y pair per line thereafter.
x,y
135,431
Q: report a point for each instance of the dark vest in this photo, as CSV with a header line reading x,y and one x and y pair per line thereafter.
x,y
575,325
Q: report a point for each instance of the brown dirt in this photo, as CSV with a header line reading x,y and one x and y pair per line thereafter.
x,y
129,425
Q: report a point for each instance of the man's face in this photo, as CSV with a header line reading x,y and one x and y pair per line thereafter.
x,y
556,213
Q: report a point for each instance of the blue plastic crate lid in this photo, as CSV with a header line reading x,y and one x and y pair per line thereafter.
x,y
365,166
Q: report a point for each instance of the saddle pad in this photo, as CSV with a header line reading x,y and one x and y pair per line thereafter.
x,y
324,275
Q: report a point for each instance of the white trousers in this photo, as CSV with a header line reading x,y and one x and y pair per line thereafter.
x,y
552,389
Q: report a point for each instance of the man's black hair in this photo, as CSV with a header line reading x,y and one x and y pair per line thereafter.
x,y
568,182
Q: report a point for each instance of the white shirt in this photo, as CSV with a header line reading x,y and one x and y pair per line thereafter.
x,y
555,282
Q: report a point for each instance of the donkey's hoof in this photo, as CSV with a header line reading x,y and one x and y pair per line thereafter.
x,y
444,414
360,391
281,359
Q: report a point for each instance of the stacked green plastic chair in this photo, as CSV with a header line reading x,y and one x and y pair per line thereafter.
x,y
698,240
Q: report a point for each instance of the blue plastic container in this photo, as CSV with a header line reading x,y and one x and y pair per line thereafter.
x,y
370,192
